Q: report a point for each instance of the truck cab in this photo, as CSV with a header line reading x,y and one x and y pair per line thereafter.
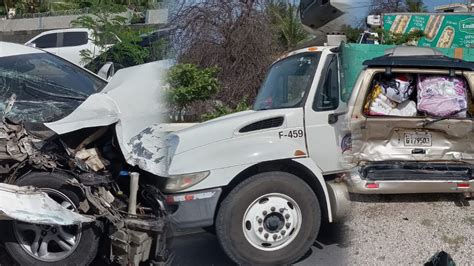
x,y
266,178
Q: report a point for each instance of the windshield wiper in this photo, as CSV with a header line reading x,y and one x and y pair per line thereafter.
x,y
426,123
33,81
75,98
67,89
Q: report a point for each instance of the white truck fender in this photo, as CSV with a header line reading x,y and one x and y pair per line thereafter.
x,y
335,194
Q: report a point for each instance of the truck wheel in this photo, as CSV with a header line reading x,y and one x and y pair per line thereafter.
x,y
30,244
270,218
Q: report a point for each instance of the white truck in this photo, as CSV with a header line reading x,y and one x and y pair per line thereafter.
x,y
267,178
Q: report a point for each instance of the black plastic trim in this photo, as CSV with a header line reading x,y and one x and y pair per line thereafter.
x,y
426,61
416,171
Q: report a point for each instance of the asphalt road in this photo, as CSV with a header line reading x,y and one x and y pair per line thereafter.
x,y
380,230
203,249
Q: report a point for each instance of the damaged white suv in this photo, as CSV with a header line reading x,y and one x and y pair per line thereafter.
x,y
69,185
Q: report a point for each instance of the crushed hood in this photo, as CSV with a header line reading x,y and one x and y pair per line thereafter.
x,y
133,101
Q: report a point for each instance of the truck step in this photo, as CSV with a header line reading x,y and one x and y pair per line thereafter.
x,y
386,171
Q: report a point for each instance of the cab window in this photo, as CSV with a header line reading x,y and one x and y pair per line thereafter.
x,y
288,82
327,95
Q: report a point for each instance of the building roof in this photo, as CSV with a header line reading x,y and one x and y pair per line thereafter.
x,y
458,6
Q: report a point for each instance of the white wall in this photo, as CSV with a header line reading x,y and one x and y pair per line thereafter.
x,y
157,16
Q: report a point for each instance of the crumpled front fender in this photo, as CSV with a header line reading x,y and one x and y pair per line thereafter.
x,y
30,205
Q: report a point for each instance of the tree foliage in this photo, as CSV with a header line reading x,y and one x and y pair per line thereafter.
x,y
400,38
222,109
37,6
415,6
189,83
111,29
234,36
351,33
285,19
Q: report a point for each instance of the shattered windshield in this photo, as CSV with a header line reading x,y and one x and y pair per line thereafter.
x,y
287,82
43,88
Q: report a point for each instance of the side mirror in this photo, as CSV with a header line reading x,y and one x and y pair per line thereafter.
x,y
106,71
31,44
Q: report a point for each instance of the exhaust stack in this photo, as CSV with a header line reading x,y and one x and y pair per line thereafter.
x,y
132,204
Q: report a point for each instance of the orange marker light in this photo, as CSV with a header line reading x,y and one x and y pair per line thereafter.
x,y
300,153
312,49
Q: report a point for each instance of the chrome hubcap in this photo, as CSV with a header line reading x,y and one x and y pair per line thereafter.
x,y
272,221
47,242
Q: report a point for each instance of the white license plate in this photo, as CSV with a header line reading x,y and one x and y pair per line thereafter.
x,y
417,139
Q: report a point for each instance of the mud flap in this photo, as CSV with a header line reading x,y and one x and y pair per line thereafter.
x,y
339,197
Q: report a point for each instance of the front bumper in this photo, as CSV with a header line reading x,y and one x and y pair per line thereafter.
x,y
193,209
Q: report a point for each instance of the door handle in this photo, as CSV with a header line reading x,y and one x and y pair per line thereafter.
x,y
418,151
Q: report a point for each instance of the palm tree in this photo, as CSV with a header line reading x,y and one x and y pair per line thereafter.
x,y
415,6
289,28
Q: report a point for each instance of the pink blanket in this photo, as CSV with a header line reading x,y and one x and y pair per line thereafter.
x,y
442,95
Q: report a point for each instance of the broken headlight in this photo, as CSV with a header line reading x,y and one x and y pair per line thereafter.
x,y
179,182
172,145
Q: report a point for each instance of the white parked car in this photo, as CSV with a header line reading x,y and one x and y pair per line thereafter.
x,y
66,43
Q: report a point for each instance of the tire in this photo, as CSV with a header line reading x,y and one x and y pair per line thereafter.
x,y
241,239
83,251
210,229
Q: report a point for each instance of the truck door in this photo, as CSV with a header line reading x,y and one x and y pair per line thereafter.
x,y
325,134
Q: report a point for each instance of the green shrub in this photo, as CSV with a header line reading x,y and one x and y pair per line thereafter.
x,y
221,110
189,84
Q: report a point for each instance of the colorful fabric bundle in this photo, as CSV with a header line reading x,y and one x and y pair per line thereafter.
x,y
399,88
441,96
379,104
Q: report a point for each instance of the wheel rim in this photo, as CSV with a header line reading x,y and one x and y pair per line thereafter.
x,y
49,243
272,222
